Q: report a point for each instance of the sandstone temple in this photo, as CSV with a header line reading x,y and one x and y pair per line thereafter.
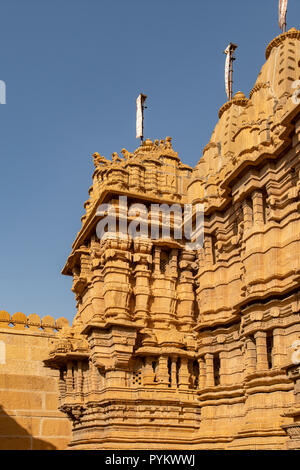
x,y
177,348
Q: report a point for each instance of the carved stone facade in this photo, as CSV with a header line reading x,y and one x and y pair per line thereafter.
x,y
174,348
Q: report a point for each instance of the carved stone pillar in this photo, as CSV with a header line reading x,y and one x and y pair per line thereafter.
x,y
117,288
156,260
142,258
223,368
94,382
184,375
148,373
279,356
97,282
202,372
174,372
79,379
208,249
250,356
185,291
248,214
69,378
163,373
209,361
261,350
258,208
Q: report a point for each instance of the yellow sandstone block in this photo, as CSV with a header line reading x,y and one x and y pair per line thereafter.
x,y
21,400
55,427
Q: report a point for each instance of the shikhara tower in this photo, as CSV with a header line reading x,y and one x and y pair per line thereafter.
x,y
179,349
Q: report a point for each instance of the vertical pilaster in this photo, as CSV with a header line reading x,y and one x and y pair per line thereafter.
x,y
250,356
174,372
202,372
261,350
208,249
248,214
148,373
258,208
279,355
209,361
163,373
184,374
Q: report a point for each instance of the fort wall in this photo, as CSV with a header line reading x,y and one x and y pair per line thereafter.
x,y
29,416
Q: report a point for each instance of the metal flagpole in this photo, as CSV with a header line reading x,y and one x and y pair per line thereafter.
x,y
282,14
140,102
229,51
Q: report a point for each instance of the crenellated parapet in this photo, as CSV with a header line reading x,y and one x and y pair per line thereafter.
x,y
32,322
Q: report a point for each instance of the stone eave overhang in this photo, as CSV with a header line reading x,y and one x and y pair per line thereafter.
x,y
58,359
92,219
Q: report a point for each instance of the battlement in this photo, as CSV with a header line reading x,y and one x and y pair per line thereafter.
x,y
32,322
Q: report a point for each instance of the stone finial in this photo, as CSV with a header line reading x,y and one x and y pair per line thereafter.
x,y
19,320
115,157
48,324
99,160
169,142
127,155
4,319
239,96
61,323
34,321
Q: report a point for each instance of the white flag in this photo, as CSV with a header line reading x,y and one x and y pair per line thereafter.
x,y
227,62
139,115
282,12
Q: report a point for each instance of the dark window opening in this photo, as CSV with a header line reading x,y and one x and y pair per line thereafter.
x,y
170,371
270,349
217,369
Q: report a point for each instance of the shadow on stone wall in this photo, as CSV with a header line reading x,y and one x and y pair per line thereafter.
x,y
14,437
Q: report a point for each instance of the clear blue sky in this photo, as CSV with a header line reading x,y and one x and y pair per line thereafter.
x,y
73,70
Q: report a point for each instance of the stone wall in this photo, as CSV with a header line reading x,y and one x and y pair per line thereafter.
x,y
29,416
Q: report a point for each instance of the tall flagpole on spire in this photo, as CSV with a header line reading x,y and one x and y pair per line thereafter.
x,y
140,106
282,14
229,51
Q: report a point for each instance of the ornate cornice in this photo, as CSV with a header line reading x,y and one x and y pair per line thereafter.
x,y
293,33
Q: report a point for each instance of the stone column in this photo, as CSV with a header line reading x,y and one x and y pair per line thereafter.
x,y
223,368
250,356
148,373
261,350
142,276
156,260
184,374
79,379
117,288
163,373
208,249
248,214
93,377
202,372
258,207
279,356
69,378
185,291
210,379
174,372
